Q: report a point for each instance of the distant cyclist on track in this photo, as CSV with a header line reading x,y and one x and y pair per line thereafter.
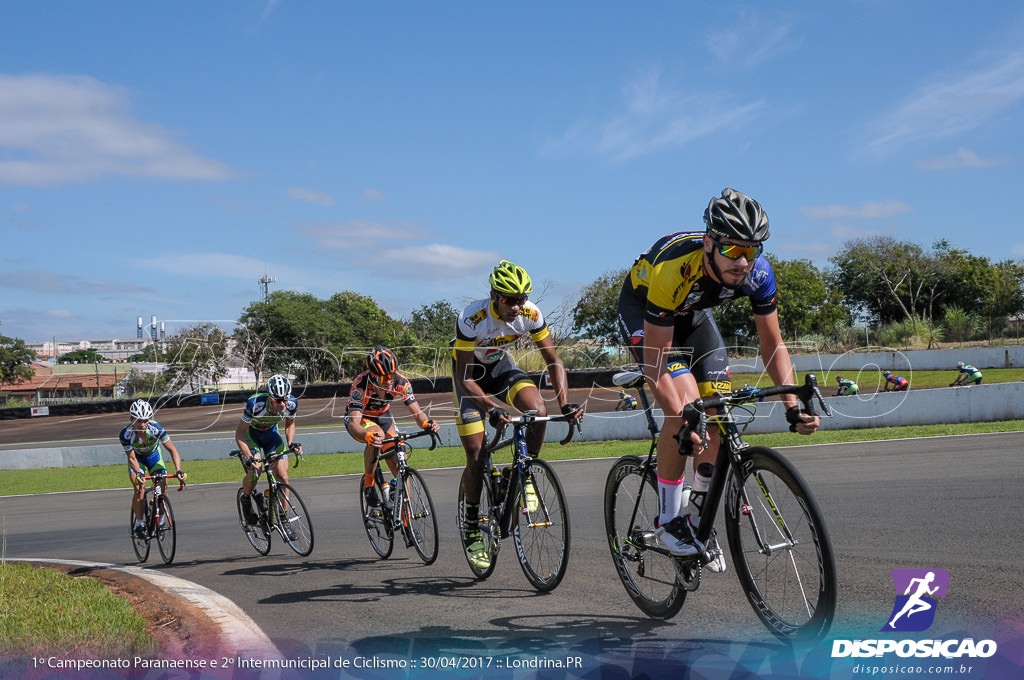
x,y
665,318
143,440
257,435
368,416
895,383
627,402
486,380
968,374
846,386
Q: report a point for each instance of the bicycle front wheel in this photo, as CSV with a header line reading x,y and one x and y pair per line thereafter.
x,y
166,534
489,531
418,517
258,533
781,548
292,519
630,509
542,534
377,522
139,544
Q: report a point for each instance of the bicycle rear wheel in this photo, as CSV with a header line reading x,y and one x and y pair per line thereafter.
x,y
258,534
292,519
630,510
166,534
541,533
781,548
419,518
139,545
489,532
377,522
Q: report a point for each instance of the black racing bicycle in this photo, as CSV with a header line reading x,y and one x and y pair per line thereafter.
x,y
525,499
279,508
158,522
405,507
777,536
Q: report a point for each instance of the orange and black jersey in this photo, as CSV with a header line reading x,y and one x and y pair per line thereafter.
x,y
671,280
364,397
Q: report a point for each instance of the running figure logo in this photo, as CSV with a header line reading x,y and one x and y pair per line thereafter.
x,y
915,608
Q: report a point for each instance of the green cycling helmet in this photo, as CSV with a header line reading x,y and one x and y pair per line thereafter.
x,y
510,279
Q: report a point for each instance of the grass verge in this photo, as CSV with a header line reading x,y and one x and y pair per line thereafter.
x,y
44,612
205,471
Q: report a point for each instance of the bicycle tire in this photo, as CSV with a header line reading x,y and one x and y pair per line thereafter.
x,y
292,519
489,531
377,523
166,533
648,576
792,588
420,520
258,534
139,545
542,536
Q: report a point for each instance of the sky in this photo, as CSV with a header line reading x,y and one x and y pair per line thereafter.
x,y
159,158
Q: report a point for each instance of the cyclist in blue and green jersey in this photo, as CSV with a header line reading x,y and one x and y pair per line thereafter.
x,y
846,386
664,316
967,374
485,380
257,434
143,441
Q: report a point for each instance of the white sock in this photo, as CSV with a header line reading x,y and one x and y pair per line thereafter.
x,y
670,499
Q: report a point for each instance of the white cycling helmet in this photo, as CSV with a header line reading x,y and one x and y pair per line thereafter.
x,y
141,410
279,387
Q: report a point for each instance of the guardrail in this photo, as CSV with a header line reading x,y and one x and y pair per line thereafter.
x,y
972,404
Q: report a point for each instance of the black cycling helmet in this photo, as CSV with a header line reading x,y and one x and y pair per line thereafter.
x,y
381,363
736,216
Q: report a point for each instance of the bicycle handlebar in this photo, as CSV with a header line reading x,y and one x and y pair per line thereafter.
x,y
532,417
181,482
401,437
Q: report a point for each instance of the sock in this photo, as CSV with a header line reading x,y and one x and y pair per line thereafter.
x,y
369,479
670,497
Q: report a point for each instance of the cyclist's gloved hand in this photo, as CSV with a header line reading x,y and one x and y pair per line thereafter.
x,y
295,447
571,408
431,425
373,438
801,422
688,440
496,415
182,475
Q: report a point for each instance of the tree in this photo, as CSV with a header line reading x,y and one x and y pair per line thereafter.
x,y
1005,292
596,313
881,275
433,325
197,355
15,360
808,303
151,353
82,356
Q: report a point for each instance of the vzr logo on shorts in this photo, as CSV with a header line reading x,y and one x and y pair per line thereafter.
x,y
915,607
677,366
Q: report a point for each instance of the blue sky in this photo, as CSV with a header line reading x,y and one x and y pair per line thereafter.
x,y
158,158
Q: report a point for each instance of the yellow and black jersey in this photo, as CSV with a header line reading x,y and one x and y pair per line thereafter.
x,y
670,278
481,330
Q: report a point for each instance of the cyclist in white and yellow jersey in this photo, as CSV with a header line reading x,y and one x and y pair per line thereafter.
x,y
486,380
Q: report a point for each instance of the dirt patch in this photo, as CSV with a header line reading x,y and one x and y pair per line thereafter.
x,y
182,630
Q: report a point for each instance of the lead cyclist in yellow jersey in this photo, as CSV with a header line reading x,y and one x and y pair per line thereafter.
x,y
485,380
664,315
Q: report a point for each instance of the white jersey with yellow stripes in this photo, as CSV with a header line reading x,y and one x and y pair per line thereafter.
x,y
481,330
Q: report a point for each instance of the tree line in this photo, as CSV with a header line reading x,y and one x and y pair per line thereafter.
x,y
895,290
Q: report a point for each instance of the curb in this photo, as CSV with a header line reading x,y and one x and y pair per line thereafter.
x,y
238,632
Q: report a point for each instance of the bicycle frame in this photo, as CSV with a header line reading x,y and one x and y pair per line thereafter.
x,y
157,490
395,509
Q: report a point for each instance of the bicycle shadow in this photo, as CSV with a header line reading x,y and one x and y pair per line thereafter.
x,y
387,589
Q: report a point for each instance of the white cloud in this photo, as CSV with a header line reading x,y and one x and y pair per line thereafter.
x,y
753,39
961,158
373,196
871,210
359,234
59,129
318,197
39,281
442,261
954,103
656,118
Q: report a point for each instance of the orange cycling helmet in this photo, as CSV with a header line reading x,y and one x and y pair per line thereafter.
x,y
381,364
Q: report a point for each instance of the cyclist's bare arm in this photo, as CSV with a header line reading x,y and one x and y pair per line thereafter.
x,y
241,439
556,369
421,418
779,366
289,432
173,450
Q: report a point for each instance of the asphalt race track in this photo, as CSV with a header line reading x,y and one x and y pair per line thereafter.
x,y
949,503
